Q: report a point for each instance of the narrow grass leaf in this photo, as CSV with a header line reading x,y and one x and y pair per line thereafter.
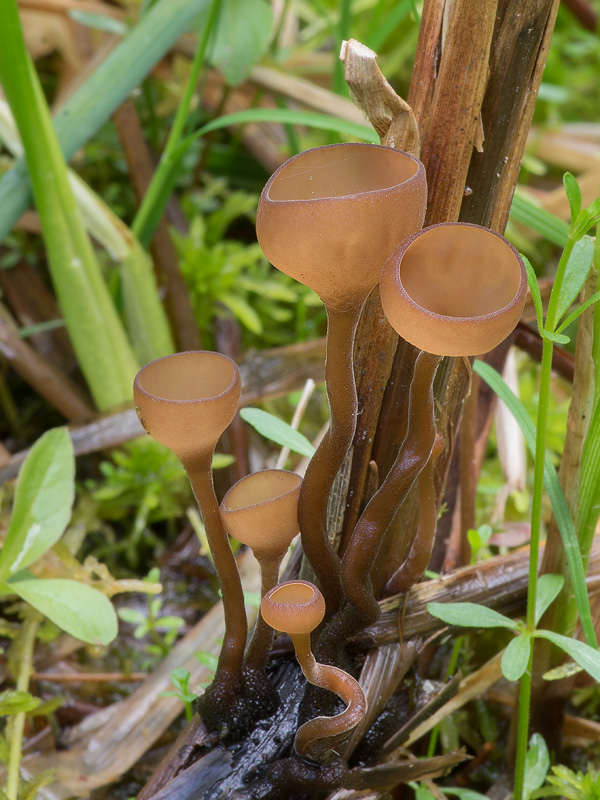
x,y
516,657
470,615
80,610
534,288
576,272
277,430
94,326
579,310
92,105
548,225
555,493
583,654
573,193
548,589
101,22
43,502
589,487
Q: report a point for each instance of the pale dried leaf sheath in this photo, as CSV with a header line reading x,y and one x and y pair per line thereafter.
x,y
388,113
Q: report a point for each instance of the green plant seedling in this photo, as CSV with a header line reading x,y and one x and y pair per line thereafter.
x,y
571,785
162,630
478,539
180,678
423,793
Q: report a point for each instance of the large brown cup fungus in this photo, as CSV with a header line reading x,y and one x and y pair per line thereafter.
x,y
297,608
261,511
330,217
186,401
454,289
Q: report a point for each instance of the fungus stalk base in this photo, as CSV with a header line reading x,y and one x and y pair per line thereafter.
x,y
327,461
229,670
318,736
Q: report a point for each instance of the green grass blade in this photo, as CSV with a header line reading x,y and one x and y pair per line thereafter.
x,y
555,493
89,108
94,326
545,223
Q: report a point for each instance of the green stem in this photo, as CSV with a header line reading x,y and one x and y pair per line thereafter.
x,y
143,224
28,633
536,523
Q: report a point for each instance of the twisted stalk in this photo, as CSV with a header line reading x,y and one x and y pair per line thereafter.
x,y
413,457
327,461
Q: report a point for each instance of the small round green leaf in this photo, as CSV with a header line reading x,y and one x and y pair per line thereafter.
x,y
516,657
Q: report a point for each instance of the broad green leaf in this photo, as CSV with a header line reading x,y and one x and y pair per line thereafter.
x,y
242,36
555,492
43,502
470,615
516,657
464,794
576,272
548,589
277,430
101,22
573,193
583,654
17,702
222,460
537,764
80,610
534,288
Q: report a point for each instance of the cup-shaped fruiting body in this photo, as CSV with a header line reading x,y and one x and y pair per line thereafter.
x,y
261,511
185,401
454,289
297,608
331,216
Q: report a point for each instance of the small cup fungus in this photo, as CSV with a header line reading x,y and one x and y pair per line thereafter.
x,y
297,608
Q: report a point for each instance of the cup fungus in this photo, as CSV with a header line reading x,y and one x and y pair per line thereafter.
x,y
261,511
186,401
454,289
297,608
330,217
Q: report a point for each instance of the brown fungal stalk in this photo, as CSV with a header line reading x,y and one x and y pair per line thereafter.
x,y
186,401
261,511
330,217
297,608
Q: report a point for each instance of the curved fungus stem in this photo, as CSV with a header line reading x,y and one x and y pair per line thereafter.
x,y
413,567
297,608
186,401
261,511
413,456
330,217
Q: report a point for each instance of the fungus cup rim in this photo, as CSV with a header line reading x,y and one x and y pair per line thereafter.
x,y
235,379
399,252
263,503
295,613
265,194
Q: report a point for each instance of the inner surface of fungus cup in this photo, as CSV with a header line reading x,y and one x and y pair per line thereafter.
x,y
261,511
186,401
454,289
329,217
